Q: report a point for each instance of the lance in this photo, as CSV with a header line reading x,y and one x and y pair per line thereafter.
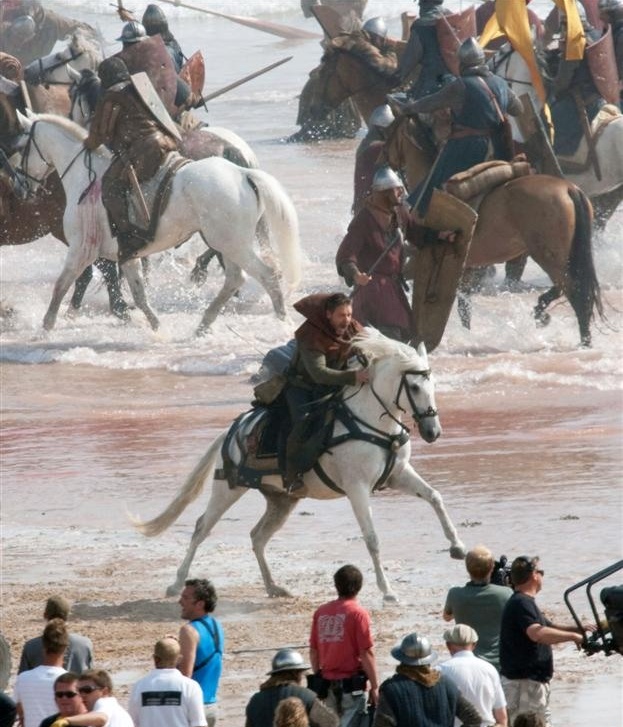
x,y
266,648
283,31
251,76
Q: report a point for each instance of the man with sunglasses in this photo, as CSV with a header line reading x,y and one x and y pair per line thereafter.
x,y
526,638
102,709
67,698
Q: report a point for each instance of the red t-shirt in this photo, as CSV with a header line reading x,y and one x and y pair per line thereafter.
x,y
340,632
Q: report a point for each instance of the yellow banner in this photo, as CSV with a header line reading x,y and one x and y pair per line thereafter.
x,y
576,40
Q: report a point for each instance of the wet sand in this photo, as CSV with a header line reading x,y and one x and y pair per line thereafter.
x,y
542,477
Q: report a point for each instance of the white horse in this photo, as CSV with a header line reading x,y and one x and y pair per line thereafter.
x,y
226,204
370,449
606,192
82,52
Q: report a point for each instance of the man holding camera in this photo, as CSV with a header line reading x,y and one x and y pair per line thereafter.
x,y
526,638
341,649
479,604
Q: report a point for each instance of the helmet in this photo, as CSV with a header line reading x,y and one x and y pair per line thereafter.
x,y
112,70
381,116
375,26
154,20
386,178
287,660
132,32
414,650
471,54
23,29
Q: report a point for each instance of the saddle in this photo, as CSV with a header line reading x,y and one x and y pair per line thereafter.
x,y
473,185
148,200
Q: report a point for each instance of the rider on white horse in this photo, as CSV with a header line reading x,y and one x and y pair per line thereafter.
x,y
319,367
139,140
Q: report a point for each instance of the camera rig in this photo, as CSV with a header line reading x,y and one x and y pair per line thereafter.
x,y
608,636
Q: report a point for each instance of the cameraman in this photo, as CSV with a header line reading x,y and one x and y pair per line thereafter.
x,y
479,604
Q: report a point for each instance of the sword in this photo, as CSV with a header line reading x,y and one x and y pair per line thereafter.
x,y
398,237
142,205
586,130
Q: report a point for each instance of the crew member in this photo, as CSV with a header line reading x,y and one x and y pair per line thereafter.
x,y
573,93
319,366
423,52
479,101
139,140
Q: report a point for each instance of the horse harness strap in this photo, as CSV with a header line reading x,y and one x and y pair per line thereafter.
x,y
206,621
390,442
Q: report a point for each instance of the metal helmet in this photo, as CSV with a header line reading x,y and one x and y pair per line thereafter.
x,y
414,650
471,54
287,660
386,178
22,30
375,26
154,20
381,116
132,32
112,70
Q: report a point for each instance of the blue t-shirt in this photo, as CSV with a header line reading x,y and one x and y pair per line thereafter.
x,y
209,656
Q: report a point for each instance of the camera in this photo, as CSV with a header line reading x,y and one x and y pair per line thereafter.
x,y
501,575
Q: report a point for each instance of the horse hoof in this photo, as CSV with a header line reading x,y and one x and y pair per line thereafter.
x,y
390,598
202,331
542,319
172,590
278,592
458,552
198,276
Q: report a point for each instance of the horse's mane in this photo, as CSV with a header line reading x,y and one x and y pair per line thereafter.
x,y
71,128
374,345
82,41
357,45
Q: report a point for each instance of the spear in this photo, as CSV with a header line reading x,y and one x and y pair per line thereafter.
x,y
223,90
283,31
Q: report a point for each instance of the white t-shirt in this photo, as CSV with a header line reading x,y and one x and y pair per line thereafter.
x,y
478,681
117,716
167,698
34,689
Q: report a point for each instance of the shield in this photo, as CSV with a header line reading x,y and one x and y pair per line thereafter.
x,y
194,72
152,57
438,268
151,99
536,143
330,20
452,30
602,64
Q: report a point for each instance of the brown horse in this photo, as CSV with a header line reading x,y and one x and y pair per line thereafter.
x,y
346,71
546,217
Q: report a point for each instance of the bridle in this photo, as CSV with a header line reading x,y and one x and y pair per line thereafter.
x,y
418,416
496,62
48,69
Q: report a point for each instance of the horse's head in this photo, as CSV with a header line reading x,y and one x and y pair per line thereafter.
x,y
34,166
401,380
326,90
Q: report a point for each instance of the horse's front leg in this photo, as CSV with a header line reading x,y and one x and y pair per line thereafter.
x,y
132,271
360,502
408,480
75,263
278,509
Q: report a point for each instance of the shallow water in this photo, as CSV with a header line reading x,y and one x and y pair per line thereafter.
x,y
101,419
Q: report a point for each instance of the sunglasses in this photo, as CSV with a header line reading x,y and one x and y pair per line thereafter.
x,y
88,689
67,695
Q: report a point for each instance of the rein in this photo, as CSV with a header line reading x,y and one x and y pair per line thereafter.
x,y
505,56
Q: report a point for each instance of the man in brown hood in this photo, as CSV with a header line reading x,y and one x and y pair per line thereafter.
x,y
319,366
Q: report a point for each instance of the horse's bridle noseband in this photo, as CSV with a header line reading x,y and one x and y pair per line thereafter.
x,y
404,384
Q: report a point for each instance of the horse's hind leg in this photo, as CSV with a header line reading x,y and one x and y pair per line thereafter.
x,y
74,266
222,498
278,508
80,287
542,318
118,306
233,281
410,482
132,271
270,281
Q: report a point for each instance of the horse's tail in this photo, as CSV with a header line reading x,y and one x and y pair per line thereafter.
x,y
584,293
282,223
188,493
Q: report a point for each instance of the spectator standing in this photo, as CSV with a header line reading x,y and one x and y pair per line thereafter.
x,y
526,638
342,649
78,655
418,694
34,688
284,683
477,680
67,698
103,710
201,642
479,604
165,697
